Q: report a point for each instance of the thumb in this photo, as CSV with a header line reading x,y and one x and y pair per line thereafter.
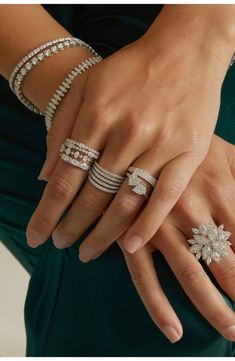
x,y
62,125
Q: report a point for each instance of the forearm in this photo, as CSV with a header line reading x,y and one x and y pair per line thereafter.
x,y
23,28
208,29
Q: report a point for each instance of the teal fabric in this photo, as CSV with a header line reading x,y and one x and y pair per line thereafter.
x,y
76,309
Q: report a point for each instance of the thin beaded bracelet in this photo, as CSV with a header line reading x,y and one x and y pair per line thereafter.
x,y
34,58
65,86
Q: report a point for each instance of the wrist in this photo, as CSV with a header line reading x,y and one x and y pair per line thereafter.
x,y
204,30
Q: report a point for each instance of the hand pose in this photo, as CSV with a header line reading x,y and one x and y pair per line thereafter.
x,y
152,105
144,106
210,196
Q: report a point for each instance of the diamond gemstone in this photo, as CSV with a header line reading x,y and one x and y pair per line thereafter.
x,y
139,189
40,56
29,66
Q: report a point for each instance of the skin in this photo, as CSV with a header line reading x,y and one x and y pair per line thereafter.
x,y
210,195
144,127
141,119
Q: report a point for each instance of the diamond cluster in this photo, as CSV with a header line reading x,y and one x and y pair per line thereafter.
x,y
209,242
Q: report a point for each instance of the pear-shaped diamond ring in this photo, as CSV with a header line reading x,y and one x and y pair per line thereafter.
x,y
136,177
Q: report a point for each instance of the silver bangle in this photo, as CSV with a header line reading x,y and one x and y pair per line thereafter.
x,y
34,58
65,86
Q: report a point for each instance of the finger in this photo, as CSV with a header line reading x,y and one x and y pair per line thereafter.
x,y
122,210
189,212
143,275
224,210
172,181
62,126
62,186
195,282
91,202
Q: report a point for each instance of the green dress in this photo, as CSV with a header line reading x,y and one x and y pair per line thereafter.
x,y
76,309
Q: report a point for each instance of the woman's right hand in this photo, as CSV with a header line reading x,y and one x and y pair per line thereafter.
x,y
209,196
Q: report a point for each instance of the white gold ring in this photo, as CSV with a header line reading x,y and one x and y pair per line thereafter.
x,y
209,242
136,177
78,154
105,180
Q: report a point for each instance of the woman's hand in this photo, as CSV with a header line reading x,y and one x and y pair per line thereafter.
x,y
209,196
147,106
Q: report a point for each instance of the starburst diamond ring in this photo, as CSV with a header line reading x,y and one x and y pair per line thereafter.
x,y
209,242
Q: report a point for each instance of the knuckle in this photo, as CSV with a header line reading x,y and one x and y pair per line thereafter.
x,y
90,203
170,190
53,134
194,140
220,188
227,275
224,191
138,277
61,188
192,276
137,127
125,206
187,202
163,137
99,116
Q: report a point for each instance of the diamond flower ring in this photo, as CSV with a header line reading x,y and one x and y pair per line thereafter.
x,y
209,242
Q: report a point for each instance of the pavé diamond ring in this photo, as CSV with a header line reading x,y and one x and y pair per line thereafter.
x,y
136,177
209,242
78,154
104,180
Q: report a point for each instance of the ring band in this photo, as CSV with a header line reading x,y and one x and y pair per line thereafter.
x,y
209,242
136,175
104,180
78,154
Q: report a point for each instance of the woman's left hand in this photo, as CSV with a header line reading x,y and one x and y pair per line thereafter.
x,y
209,197
147,106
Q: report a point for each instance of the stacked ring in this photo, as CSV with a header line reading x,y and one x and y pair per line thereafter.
x,y
135,174
78,154
105,180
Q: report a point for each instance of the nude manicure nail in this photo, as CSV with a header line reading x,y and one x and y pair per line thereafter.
x,y
229,333
171,333
42,175
87,253
133,243
34,239
59,242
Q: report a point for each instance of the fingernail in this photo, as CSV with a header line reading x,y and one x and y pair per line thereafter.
x,y
133,243
87,253
34,239
229,333
171,333
42,174
59,242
